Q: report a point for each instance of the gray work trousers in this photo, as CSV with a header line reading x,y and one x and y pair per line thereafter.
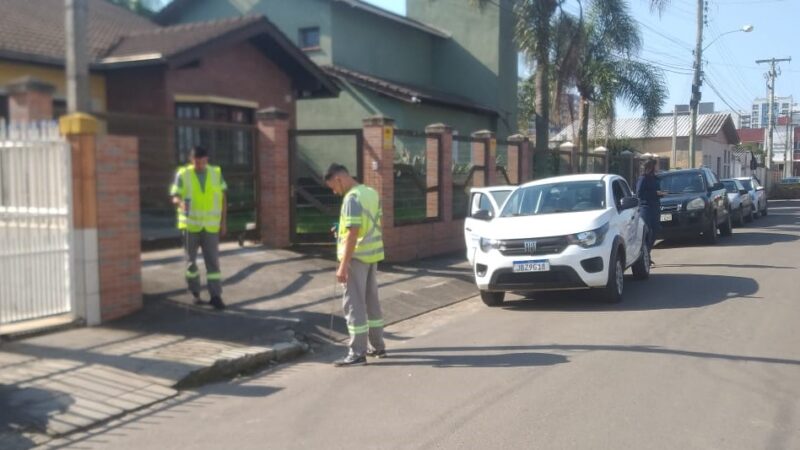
x,y
362,310
209,242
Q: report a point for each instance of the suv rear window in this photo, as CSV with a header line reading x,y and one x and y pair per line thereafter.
x,y
746,184
730,186
683,182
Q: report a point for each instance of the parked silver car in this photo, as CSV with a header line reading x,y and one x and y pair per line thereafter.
x,y
758,193
742,206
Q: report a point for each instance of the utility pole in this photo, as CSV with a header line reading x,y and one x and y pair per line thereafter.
x,y
697,81
771,75
76,17
674,162
787,156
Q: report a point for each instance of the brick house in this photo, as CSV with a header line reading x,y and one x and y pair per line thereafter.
x,y
441,62
171,87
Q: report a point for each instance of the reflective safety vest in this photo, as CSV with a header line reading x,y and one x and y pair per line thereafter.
x,y
205,204
362,207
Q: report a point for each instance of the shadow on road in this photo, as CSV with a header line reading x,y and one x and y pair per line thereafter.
x,y
27,409
443,360
660,291
740,238
422,353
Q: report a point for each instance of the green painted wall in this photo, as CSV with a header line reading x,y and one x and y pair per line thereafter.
x,y
467,65
481,52
355,104
381,47
288,15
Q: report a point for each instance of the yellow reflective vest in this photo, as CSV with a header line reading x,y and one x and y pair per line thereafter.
x,y
205,203
362,207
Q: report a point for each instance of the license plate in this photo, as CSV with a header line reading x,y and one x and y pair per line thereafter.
x,y
666,217
531,266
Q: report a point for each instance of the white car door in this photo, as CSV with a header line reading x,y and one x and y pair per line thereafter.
x,y
625,220
481,201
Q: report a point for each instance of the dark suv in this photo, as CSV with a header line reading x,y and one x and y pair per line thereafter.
x,y
696,203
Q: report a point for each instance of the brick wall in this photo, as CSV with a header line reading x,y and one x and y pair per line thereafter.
x,y
273,171
118,232
409,242
137,90
242,72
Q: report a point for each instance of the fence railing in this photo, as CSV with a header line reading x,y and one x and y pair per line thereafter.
x,y
417,178
315,208
35,223
164,144
470,161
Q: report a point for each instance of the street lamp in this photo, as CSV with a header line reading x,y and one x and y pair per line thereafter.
x,y
694,103
744,29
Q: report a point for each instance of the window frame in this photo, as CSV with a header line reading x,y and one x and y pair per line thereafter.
x,y
301,39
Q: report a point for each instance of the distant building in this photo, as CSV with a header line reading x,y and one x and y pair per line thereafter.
x,y
717,138
758,116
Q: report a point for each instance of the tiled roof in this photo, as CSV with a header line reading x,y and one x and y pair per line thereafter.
x,y
751,134
635,128
170,41
407,93
33,30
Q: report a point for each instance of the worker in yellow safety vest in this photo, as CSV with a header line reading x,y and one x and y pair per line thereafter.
x,y
198,193
359,249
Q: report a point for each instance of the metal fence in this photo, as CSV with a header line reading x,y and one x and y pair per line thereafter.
x,y
315,208
35,223
164,144
417,178
469,170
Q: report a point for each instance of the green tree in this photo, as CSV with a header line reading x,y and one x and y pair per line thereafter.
x,y
535,28
604,72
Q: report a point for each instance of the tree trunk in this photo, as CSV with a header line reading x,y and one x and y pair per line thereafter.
x,y
546,9
583,133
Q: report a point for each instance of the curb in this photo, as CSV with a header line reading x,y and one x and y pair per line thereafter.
x,y
242,361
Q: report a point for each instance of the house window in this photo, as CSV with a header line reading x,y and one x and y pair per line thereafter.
x,y
228,145
309,38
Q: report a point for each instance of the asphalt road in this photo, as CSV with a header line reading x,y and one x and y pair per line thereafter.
x,y
704,355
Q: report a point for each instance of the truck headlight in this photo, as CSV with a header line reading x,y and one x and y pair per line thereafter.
x,y
488,244
590,238
696,204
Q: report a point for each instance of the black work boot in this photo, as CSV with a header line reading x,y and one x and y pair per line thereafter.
x,y
372,353
197,299
217,303
351,360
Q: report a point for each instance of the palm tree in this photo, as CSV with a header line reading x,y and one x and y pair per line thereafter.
x,y
604,72
534,31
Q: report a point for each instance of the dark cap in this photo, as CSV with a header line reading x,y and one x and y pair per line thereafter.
x,y
199,152
335,169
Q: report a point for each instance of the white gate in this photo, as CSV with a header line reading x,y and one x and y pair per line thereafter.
x,y
35,224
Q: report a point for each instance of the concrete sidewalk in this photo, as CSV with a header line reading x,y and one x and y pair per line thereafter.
x,y
280,305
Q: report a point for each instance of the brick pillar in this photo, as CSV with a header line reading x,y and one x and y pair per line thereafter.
x,y
274,208
118,226
81,132
479,157
378,170
30,100
437,133
524,158
106,217
490,144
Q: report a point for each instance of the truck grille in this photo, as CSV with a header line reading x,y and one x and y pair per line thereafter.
x,y
544,246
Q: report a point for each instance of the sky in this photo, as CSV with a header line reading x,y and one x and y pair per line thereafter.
x,y
730,68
